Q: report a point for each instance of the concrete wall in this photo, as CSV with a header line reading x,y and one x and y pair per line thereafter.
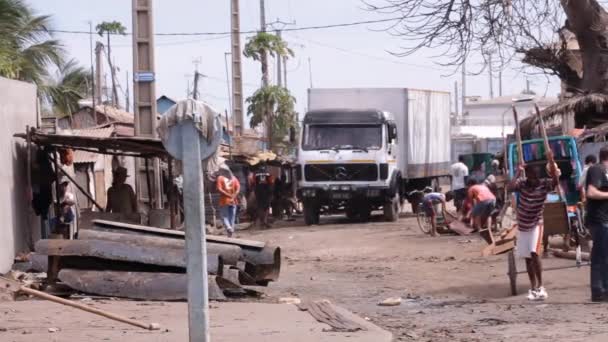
x,y
17,109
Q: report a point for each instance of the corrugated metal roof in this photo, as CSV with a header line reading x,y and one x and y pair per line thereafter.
x,y
81,157
116,114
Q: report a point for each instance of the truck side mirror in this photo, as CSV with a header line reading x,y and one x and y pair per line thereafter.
x,y
392,131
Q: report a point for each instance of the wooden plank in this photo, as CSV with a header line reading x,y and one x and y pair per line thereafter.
x,y
324,312
135,285
177,233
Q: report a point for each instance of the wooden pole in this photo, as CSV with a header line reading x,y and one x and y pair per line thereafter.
x,y
149,184
549,152
171,195
39,294
520,152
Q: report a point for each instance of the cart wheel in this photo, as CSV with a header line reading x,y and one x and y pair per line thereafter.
x,y
512,273
424,222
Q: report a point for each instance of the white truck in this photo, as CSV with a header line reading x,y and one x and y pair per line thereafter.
x,y
364,149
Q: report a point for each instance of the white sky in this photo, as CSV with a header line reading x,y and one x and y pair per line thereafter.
x,y
341,57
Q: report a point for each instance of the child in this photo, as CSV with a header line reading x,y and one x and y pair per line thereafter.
x,y
429,201
530,207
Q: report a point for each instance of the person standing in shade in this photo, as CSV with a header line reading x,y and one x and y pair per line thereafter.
x,y
229,187
263,194
590,160
121,197
597,222
459,171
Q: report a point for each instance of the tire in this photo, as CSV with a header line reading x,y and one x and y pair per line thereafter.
x,y
424,222
311,214
392,209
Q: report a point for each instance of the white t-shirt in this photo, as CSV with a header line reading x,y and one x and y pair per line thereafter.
x,y
458,171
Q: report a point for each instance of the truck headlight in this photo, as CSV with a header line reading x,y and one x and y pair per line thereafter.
x,y
334,187
345,188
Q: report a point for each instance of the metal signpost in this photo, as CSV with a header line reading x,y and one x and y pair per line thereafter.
x,y
185,143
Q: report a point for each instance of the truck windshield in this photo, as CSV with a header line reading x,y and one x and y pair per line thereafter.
x,y
325,137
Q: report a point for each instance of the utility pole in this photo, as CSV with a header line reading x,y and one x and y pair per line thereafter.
x,y
98,72
144,104
456,107
500,82
490,78
464,86
127,100
310,72
195,94
285,71
228,84
262,16
278,26
237,74
279,64
92,68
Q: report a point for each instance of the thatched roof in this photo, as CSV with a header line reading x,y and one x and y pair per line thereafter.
x,y
578,112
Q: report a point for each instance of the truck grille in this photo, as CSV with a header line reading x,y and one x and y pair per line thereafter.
x,y
341,172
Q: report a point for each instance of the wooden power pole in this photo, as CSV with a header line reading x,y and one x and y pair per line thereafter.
x,y
237,74
144,98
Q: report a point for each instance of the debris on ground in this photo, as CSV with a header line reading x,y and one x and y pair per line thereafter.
x,y
393,301
288,300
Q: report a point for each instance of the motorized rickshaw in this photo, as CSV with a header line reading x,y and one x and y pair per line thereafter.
x,y
563,214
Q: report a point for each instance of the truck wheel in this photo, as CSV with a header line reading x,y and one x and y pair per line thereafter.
x,y
311,214
391,209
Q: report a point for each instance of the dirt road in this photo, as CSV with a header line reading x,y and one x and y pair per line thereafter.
x,y
450,292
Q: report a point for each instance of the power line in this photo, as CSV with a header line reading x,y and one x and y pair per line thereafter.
x,y
305,28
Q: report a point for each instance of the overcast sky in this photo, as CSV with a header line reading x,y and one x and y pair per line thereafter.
x,y
341,57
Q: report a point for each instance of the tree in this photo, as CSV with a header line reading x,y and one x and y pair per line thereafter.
x,y
109,28
70,85
276,103
27,49
270,105
263,44
460,28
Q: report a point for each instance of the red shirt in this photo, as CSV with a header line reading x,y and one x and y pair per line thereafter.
x,y
230,186
480,193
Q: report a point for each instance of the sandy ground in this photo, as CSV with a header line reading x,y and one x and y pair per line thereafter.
x,y
450,292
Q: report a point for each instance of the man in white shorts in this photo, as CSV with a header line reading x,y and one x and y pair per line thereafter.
x,y
530,207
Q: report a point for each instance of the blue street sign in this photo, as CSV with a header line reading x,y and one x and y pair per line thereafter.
x,y
144,76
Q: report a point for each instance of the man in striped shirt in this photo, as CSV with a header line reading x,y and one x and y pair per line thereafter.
x,y
531,203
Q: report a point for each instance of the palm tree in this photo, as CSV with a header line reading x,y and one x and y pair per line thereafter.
x,y
109,28
271,105
27,49
70,85
275,106
261,45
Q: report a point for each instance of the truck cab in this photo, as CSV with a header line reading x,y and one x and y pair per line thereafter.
x,y
347,162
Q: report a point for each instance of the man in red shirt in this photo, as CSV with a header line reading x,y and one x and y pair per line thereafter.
x,y
229,187
483,201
